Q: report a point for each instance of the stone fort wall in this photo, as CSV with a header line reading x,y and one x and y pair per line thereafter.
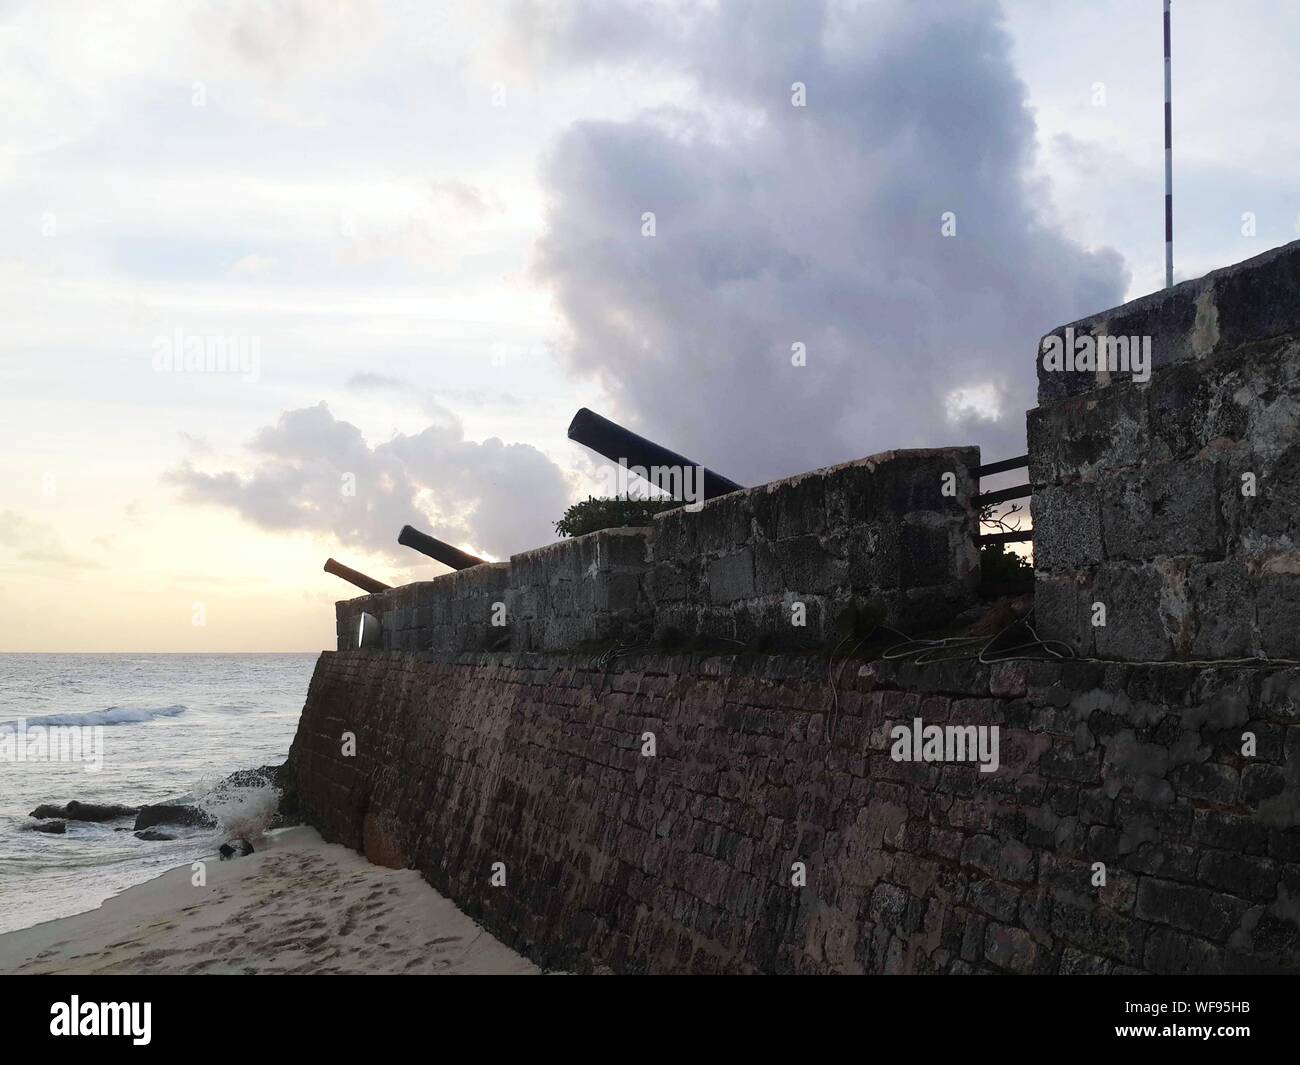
x,y
1173,503
688,859
751,813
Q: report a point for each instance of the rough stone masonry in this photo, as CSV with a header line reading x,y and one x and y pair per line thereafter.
x,y
1167,512
519,786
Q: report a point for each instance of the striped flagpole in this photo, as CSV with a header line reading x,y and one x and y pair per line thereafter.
x,y
1169,166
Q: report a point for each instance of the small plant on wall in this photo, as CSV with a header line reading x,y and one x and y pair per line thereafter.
x,y
592,514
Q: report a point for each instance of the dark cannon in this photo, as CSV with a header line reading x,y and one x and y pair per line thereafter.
x,y
618,444
369,584
436,549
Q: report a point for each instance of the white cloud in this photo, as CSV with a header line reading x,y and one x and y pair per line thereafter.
x,y
974,403
314,472
252,265
38,543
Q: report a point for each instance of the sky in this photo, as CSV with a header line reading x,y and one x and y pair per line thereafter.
x,y
411,240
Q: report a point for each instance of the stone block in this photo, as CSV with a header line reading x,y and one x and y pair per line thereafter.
x,y
1010,948
731,577
619,592
1207,913
1067,528
1134,597
1206,782
1277,607
1061,612
1179,404
805,565
1085,437
1240,874
790,508
924,556
873,557
1224,605
1162,510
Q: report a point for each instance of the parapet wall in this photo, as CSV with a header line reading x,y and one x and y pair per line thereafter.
x,y
748,814
891,536
449,613
878,533
1167,511
593,587
1251,301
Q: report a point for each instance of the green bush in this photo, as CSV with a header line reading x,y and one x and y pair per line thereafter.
x,y
592,514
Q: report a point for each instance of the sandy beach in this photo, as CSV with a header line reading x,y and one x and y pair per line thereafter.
x,y
298,905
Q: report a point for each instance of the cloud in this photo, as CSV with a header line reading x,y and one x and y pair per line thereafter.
x,y
819,225
197,445
252,265
465,198
368,381
317,473
38,541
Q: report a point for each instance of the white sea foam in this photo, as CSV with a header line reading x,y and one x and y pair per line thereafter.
x,y
112,715
242,810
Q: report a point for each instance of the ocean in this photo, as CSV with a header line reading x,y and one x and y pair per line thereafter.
x,y
171,727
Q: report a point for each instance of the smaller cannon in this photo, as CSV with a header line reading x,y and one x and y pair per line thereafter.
x,y
369,584
437,549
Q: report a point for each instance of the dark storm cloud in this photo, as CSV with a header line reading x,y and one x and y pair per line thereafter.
x,y
497,497
820,224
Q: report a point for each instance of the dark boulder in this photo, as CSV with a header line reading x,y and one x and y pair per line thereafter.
x,y
253,778
163,814
151,835
54,828
83,811
235,848
263,776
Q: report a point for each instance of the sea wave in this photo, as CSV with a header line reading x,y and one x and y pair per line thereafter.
x,y
243,810
244,803
111,715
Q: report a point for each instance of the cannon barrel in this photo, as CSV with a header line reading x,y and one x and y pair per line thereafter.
x,y
436,549
354,576
616,443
